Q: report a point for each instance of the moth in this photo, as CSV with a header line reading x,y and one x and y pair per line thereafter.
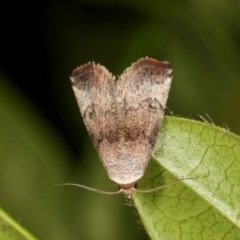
x,y
123,115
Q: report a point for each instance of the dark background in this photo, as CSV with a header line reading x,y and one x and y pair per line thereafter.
x,y
42,138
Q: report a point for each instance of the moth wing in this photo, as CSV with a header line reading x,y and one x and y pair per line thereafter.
x,y
141,94
93,88
123,116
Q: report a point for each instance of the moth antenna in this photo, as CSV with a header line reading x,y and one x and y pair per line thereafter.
x,y
151,190
90,189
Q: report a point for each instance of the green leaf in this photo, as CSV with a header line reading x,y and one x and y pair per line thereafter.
x,y
206,207
11,230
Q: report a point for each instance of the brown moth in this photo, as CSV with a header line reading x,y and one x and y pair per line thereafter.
x,y
123,115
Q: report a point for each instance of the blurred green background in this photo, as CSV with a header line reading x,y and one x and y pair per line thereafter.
x,y
42,137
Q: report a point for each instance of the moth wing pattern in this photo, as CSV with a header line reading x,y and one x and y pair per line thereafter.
x,y
141,95
123,116
93,88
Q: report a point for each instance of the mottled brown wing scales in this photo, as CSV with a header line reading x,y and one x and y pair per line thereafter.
x,y
93,88
150,84
143,88
123,116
